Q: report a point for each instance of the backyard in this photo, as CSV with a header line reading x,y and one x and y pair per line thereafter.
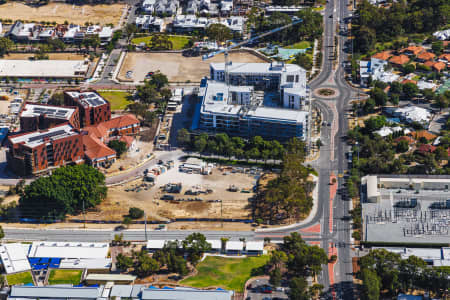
x,y
227,273
65,277
19,278
178,41
117,99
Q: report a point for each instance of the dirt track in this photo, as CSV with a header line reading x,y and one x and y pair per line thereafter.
x,y
177,67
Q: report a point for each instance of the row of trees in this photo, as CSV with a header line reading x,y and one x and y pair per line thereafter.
x,y
385,274
294,262
286,196
221,144
170,258
67,191
377,24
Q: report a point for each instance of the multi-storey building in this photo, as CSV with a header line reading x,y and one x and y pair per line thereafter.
x,y
238,110
39,116
287,79
36,152
93,109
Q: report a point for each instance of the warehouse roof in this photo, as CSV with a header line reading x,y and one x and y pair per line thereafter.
x,y
43,68
155,244
254,245
185,294
69,250
14,257
22,291
234,245
110,277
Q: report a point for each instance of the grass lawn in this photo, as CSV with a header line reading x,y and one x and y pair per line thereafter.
x,y
178,41
227,273
300,45
64,277
19,278
117,99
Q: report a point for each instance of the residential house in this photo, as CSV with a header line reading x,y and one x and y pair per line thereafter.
x,y
442,35
437,66
151,23
423,133
399,60
385,55
425,56
413,50
426,148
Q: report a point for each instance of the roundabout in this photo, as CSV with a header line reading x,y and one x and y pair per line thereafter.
x,y
326,93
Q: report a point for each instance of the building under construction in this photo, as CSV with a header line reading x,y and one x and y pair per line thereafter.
x,y
405,208
265,99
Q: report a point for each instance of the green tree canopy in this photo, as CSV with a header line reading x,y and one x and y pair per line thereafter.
x,y
119,146
219,32
64,192
195,245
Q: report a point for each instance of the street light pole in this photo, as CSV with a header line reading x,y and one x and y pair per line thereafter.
x,y
145,225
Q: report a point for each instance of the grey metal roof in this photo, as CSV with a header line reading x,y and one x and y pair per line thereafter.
x,y
121,291
56,292
185,294
137,288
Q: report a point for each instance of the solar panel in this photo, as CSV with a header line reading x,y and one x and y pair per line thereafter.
x,y
50,134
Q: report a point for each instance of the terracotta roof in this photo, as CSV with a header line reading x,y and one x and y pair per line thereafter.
x,y
399,60
94,148
122,121
445,56
382,55
439,66
423,133
425,148
426,56
409,81
414,49
127,139
99,130
410,140
429,63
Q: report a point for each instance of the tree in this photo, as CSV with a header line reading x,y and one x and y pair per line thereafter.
x,y
66,191
219,32
123,262
303,61
437,47
137,108
369,106
374,123
408,68
379,96
5,45
135,213
148,118
298,289
56,99
127,221
118,146
365,39
200,144
275,277
402,146
183,137
2,233
195,245
146,266
371,285
130,29
159,80
410,90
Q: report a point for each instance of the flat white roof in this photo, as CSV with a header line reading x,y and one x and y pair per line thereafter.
x,y
215,244
14,257
110,277
85,263
69,250
43,68
279,114
234,245
254,245
257,68
37,138
155,244
35,110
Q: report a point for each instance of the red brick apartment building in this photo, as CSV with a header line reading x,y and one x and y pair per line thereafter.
x,y
118,126
39,116
36,152
93,109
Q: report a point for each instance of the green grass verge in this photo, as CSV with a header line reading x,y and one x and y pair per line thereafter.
x,y
117,99
300,45
227,273
178,42
19,278
64,277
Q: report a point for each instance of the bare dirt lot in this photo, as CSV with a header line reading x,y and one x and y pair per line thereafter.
x,y
61,12
51,56
234,205
177,67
